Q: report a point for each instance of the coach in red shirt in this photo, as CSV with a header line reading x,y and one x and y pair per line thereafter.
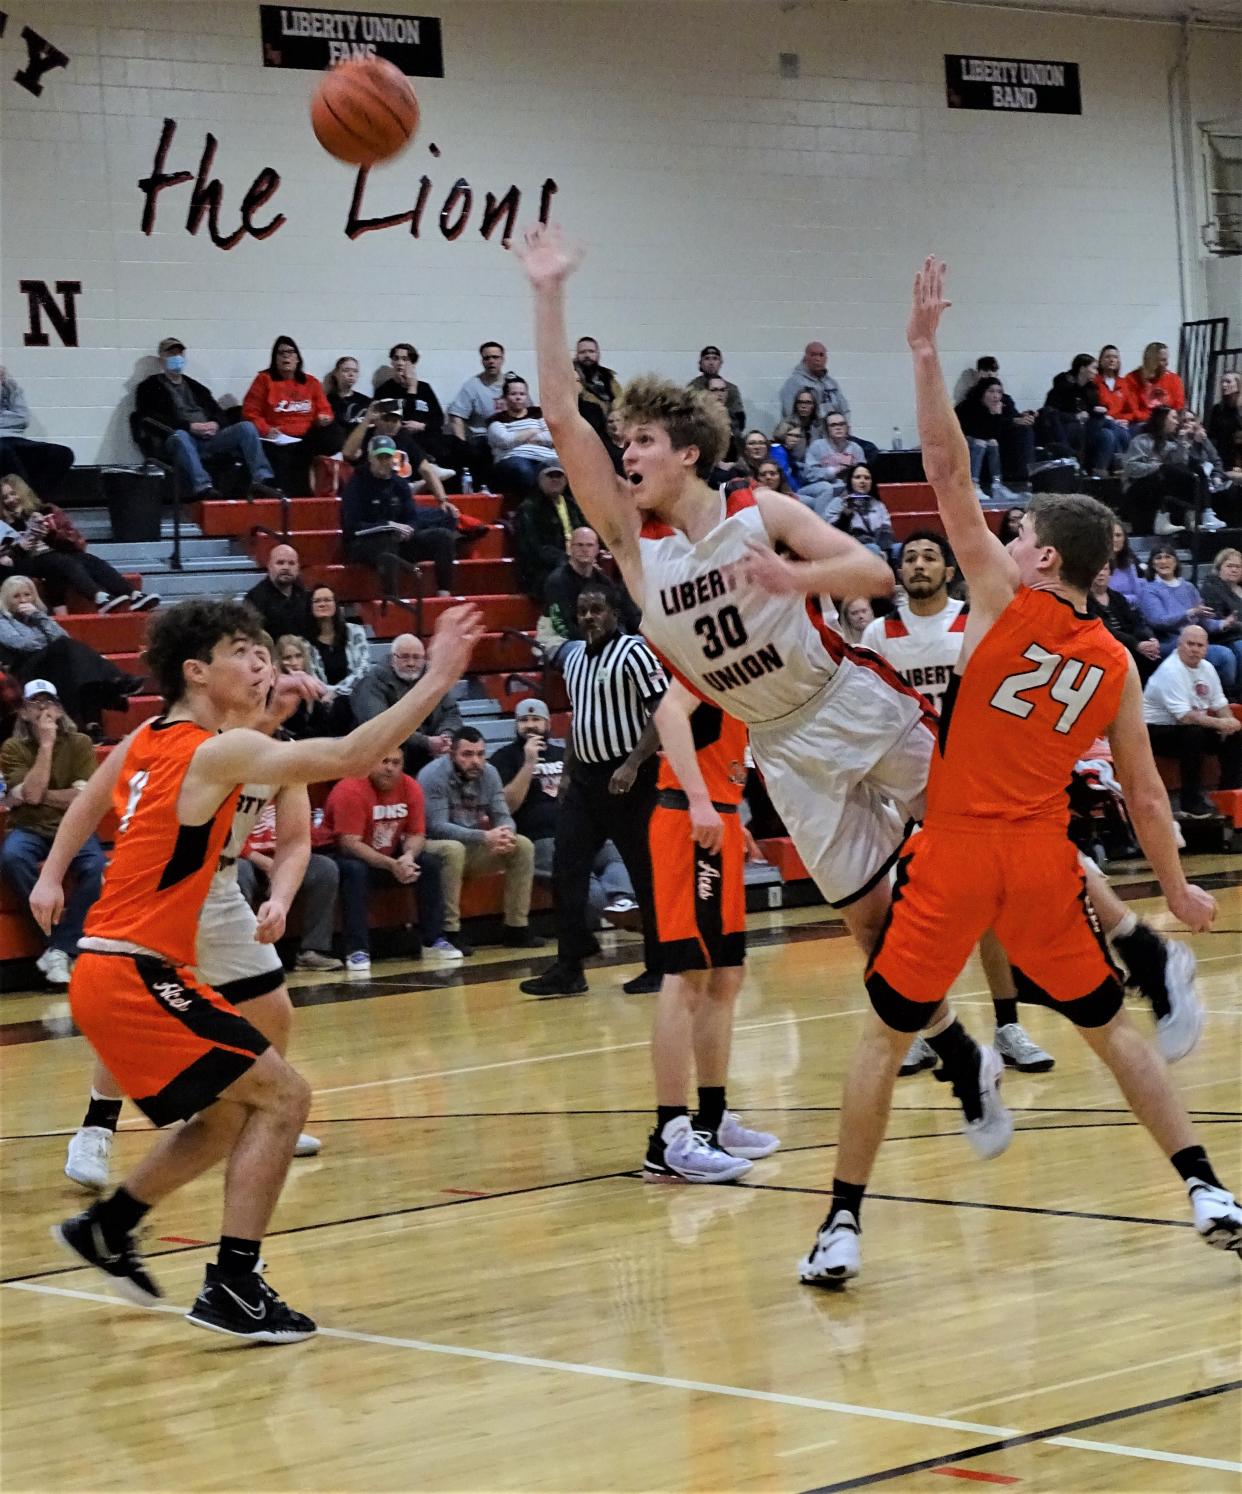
x,y
379,827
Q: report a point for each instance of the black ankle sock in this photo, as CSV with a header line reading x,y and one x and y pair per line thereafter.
x,y
1192,1162
959,1058
119,1215
1144,953
847,1196
666,1113
102,1112
711,1108
1006,1009
237,1257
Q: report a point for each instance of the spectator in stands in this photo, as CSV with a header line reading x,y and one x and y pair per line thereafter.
x,y
380,518
718,388
531,769
421,414
288,408
1112,395
1124,621
10,703
380,827
1127,571
38,540
542,529
803,427
1157,480
990,422
614,440
349,403
1074,418
597,385
393,677
45,764
475,405
1222,592
520,441
1187,716
195,431
280,599
711,361
772,475
311,718
755,451
827,464
986,367
1011,525
559,623
339,652
812,373
43,464
614,683
32,644
1224,424
1221,494
316,900
411,464
1153,385
856,617
1168,604
863,514
469,825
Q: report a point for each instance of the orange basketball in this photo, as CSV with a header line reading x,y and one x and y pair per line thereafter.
x,y
364,111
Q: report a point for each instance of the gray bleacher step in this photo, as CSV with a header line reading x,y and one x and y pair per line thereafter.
x,y
146,552
479,708
96,525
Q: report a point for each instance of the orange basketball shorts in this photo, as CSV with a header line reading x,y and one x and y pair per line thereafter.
x,y
700,897
172,1044
953,885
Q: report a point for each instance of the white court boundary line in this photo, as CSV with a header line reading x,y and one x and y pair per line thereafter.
x,y
699,1387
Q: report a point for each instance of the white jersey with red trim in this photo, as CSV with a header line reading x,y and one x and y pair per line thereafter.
x,y
757,655
923,650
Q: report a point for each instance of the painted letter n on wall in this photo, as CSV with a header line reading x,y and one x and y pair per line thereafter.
x,y
63,315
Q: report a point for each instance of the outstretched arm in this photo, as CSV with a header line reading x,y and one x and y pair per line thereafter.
x,y
831,562
606,499
982,559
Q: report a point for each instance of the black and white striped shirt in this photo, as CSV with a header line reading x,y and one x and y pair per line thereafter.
x,y
612,691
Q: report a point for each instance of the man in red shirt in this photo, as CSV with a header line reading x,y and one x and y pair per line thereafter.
x,y
380,828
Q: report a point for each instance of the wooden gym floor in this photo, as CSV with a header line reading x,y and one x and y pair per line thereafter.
x,y
506,1307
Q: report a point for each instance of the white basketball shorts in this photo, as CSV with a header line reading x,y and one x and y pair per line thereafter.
x,y
229,959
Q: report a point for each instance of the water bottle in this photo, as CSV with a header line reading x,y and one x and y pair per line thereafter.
x,y
897,438
467,482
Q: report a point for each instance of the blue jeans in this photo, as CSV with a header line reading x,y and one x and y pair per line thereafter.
x,y
984,459
359,877
518,477
609,878
186,452
22,855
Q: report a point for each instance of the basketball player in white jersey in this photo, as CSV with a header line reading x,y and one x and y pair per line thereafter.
x,y
843,744
236,951
922,640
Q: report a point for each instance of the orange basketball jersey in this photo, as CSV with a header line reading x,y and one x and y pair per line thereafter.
x,y
720,745
1042,684
160,870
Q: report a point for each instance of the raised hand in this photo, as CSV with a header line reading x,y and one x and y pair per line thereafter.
x,y
928,304
545,256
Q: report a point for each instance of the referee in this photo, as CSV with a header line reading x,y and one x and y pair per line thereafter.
x,y
614,683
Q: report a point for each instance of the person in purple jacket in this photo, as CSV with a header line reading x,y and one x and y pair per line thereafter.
x,y
1168,603
1127,573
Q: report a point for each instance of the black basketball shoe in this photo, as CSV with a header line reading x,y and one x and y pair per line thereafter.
x,y
246,1307
120,1263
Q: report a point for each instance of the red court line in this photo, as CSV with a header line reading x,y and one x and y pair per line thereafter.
x,y
464,1192
180,1240
974,1473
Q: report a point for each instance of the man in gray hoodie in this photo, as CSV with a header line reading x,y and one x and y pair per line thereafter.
x,y
386,682
812,373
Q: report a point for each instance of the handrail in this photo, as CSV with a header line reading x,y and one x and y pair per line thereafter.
x,y
541,660
389,565
285,501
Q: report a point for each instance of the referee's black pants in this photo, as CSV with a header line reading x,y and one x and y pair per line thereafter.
x,y
588,815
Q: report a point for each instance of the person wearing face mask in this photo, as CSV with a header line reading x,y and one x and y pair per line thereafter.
x,y
389,681
192,426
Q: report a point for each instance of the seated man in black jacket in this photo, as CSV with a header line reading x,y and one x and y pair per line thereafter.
x,y
196,429
542,527
1125,622
560,593
379,517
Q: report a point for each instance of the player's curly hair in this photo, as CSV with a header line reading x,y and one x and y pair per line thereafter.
x,y
1079,529
191,630
692,417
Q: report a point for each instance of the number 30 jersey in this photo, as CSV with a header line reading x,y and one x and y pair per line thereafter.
x,y
1043,683
758,656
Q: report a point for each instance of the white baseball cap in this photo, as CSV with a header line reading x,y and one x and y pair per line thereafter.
x,y
40,687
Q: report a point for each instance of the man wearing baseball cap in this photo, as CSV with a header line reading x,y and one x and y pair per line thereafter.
x,y
187,426
710,361
542,528
379,518
45,764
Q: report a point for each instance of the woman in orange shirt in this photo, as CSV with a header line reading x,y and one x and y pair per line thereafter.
x,y
290,411
1113,396
1153,384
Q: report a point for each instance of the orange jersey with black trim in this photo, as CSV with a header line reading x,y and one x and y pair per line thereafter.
x,y
720,745
1042,684
160,870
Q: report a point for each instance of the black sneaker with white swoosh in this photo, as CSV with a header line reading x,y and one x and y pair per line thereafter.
x,y
82,1236
246,1307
